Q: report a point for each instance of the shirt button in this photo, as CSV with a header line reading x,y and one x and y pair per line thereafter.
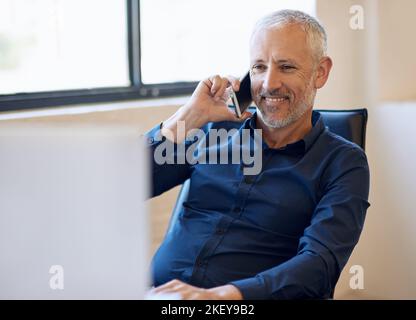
x,y
237,209
220,231
200,263
249,179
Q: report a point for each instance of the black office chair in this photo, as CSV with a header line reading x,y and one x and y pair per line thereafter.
x,y
350,124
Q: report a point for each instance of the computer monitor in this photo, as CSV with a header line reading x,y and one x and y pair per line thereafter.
x,y
73,220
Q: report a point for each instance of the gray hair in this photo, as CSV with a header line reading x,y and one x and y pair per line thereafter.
x,y
316,34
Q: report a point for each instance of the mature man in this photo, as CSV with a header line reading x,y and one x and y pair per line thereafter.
x,y
288,231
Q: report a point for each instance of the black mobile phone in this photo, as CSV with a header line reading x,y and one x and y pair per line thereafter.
x,y
242,98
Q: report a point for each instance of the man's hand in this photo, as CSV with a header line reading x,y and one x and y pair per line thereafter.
x,y
185,291
207,104
210,97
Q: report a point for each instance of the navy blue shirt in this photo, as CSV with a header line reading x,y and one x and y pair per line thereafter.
x,y
286,232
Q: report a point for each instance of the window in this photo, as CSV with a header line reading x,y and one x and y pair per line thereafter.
x,y
50,45
188,40
57,52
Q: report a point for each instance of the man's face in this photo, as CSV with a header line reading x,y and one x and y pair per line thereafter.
x,y
282,74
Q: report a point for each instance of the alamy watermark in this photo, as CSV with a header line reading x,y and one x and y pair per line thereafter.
x,y
56,282
357,280
357,18
217,146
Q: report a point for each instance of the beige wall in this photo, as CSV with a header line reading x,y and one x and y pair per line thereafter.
x,y
397,50
387,248
370,66
345,87
376,68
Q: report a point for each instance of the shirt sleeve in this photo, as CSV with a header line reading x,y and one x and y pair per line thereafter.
x,y
327,242
168,166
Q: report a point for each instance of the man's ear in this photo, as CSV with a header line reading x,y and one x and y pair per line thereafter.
x,y
323,69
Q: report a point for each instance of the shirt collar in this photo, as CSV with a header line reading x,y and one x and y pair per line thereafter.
x,y
303,144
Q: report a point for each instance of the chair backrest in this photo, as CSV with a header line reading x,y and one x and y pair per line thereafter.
x,y
349,124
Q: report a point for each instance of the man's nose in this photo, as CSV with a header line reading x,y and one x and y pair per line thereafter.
x,y
272,80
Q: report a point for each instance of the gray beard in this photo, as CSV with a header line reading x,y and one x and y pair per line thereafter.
x,y
294,114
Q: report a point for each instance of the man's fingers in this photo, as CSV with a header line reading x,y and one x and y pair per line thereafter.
x,y
235,82
226,83
164,288
216,84
211,97
220,94
167,291
230,115
171,285
178,288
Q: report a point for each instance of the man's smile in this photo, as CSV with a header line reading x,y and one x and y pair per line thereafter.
x,y
274,102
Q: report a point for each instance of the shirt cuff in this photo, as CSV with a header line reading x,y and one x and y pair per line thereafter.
x,y
154,136
252,288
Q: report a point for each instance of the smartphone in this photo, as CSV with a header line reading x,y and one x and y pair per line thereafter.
x,y
242,98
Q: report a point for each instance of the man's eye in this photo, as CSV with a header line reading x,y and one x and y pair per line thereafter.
x,y
259,67
287,67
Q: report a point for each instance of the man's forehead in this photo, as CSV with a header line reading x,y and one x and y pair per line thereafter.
x,y
288,42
